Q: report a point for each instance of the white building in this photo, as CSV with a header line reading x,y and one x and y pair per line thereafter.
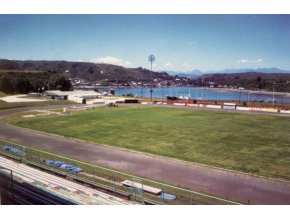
x,y
78,96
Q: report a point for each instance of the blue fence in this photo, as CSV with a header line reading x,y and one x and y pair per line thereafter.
x,y
14,150
65,166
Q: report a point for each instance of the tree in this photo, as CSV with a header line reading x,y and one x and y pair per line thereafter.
x,y
7,84
59,81
23,85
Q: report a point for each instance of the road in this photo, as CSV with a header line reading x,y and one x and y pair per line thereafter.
x,y
68,190
226,184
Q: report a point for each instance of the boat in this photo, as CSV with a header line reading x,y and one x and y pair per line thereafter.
x,y
172,98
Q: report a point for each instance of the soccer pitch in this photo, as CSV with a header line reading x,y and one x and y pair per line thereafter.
x,y
251,143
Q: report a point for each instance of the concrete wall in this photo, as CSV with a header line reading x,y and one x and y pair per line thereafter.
x,y
75,99
285,111
243,108
192,105
271,110
213,106
179,104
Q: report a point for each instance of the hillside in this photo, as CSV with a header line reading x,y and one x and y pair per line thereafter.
x,y
251,80
247,75
24,82
82,70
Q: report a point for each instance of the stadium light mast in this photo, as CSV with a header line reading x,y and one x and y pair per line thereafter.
x,y
273,99
151,59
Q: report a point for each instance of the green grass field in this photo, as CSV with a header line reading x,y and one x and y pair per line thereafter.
x,y
252,143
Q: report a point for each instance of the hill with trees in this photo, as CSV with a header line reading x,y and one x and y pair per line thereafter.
x,y
24,82
24,76
249,80
88,71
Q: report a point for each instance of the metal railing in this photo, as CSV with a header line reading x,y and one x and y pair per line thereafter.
x,y
6,186
110,179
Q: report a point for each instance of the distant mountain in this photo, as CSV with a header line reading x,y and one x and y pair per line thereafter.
x,y
216,77
245,70
83,70
197,73
189,74
249,80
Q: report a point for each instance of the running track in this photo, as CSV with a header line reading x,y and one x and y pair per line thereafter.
x,y
226,184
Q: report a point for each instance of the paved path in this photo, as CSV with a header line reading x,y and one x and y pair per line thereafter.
x,y
226,184
20,98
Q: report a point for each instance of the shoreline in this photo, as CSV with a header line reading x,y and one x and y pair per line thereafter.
x,y
261,92
286,94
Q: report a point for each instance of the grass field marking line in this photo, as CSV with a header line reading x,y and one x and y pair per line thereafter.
x,y
153,155
126,174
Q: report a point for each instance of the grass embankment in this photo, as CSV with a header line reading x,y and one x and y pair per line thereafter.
x,y
251,143
6,105
2,94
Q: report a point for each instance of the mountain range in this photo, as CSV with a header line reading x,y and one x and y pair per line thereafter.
x,y
108,72
197,73
83,70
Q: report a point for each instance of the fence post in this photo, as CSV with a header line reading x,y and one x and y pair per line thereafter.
x,y
12,185
142,193
192,198
162,195
114,177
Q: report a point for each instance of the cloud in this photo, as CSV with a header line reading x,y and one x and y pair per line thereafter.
x,y
243,61
167,64
112,60
186,65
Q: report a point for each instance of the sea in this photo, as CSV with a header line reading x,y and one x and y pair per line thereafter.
x,y
202,93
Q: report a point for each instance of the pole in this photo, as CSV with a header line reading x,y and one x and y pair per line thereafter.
x,y
192,198
273,96
151,85
114,181
12,185
202,88
142,192
162,192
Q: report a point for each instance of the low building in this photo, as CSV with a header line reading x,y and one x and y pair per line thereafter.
x,y
78,96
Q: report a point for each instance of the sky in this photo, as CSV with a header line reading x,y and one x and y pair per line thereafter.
x,y
179,42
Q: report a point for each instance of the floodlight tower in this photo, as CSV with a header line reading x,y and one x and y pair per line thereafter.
x,y
273,99
151,59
